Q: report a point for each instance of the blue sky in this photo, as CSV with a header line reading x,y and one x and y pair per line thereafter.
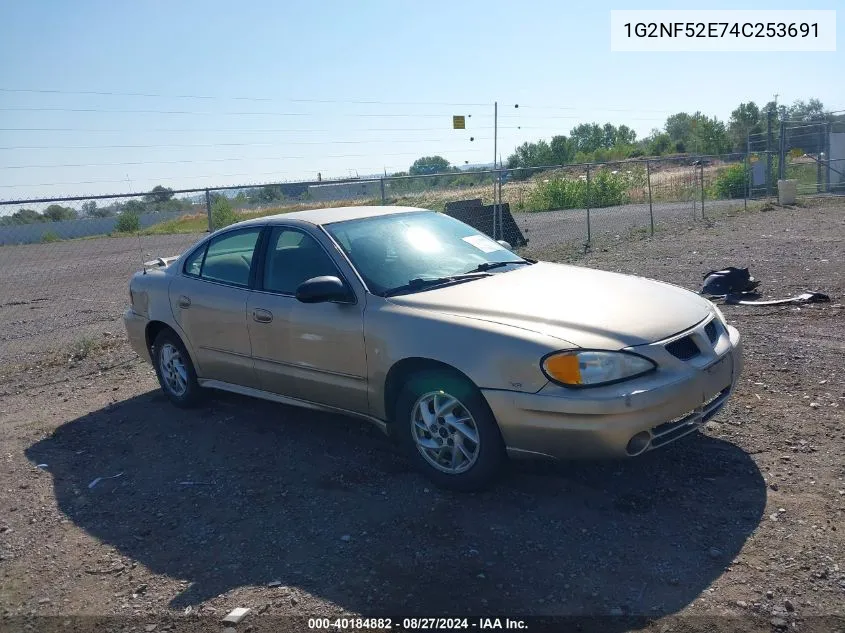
x,y
288,80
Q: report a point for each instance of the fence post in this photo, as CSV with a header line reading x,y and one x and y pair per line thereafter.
x,y
589,201
702,189
769,143
827,158
383,199
747,172
819,159
650,209
208,210
782,152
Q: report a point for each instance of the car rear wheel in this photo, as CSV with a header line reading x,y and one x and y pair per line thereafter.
x,y
448,431
175,370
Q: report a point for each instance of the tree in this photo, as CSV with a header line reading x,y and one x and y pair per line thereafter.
x,y
813,110
679,127
57,213
22,216
698,132
134,206
159,194
745,120
588,137
658,143
531,155
625,135
429,165
91,210
562,150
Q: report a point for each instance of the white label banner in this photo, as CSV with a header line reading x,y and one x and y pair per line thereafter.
x,y
722,31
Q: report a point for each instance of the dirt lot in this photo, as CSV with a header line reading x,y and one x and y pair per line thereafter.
x,y
294,513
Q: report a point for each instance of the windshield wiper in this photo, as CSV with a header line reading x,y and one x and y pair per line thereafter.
x,y
488,265
426,284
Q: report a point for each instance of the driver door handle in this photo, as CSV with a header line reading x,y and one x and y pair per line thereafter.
x,y
262,316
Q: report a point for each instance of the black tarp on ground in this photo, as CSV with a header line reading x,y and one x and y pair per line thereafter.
x,y
480,217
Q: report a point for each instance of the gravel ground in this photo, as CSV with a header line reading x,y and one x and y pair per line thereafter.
x,y
297,513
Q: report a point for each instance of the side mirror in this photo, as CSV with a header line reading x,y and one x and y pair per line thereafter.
x,y
505,244
322,290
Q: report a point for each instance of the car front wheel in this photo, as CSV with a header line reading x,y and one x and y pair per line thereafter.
x,y
448,431
175,370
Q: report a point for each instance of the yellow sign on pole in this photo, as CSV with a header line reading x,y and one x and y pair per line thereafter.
x,y
459,122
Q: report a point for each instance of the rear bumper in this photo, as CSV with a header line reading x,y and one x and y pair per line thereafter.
x,y
601,422
136,327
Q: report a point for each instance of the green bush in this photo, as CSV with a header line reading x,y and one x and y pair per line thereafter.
x,y
606,190
127,222
49,236
731,182
222,213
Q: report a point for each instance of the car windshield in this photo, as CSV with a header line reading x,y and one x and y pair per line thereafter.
x,y
401,252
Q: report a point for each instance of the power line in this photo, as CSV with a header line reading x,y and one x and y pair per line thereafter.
x,y
200,113
223,160
213,97
240,131
184,145
323,101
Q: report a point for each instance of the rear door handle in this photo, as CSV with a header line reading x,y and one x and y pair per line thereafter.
x,y
184,302
262,316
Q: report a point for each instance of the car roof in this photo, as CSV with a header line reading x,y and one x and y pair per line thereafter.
x,y
329,215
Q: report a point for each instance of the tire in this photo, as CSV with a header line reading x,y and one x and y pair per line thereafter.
x,y
175,371
478,462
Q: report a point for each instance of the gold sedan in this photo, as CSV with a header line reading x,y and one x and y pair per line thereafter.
x,y
454,345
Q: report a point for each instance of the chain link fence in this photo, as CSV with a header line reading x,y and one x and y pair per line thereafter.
x,y
65,263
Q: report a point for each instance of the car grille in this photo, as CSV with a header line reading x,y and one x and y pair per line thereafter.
x,y
683,348
680,426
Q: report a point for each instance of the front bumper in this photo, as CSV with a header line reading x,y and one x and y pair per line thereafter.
x,y
136,327
601,422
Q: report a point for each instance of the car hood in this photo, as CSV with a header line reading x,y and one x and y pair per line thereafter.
x,y
585,307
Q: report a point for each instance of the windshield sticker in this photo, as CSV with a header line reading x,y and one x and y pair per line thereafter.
x,y
483,243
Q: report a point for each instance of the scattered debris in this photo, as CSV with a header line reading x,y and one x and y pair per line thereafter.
x,y
787,604
236,615
274,583
730,280
814,405
42,466
99,479
806,297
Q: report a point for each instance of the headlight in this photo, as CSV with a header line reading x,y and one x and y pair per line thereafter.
x,y
590,368
719,314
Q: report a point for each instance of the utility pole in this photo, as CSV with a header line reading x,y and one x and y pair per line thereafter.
x,y
782,154
495,172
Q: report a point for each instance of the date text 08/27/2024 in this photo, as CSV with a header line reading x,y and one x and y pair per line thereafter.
x,y
415,624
